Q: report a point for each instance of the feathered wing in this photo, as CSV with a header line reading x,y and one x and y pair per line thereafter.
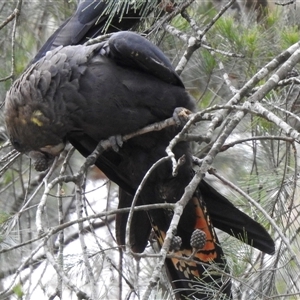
x,y
89,21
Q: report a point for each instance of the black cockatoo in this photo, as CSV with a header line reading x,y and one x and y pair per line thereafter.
x,y
84,94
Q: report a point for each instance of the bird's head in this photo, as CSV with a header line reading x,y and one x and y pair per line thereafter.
x,y
31,123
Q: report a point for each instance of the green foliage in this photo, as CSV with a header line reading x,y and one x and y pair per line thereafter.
x,y
4,217
262,123
228,31
272,18
205,11
251,40
289,36
205,99
180,23
18,290
208,62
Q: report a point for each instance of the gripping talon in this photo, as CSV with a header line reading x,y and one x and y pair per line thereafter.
x,y
116,142
181,115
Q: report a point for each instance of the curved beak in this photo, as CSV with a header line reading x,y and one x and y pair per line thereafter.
x,y
53,150
43,159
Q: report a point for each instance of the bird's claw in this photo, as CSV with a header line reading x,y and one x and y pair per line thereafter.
x,y
116,142
104,51
181,115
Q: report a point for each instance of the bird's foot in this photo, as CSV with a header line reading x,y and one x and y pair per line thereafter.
x,y
116,142
104,51
181,115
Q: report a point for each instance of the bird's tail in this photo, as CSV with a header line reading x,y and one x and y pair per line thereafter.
x,y
198,269
230,219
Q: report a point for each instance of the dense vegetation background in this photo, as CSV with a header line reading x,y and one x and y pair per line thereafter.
x,y
247,135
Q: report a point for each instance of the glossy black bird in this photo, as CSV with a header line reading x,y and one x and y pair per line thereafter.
x,y
86,24
89,21
84,94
